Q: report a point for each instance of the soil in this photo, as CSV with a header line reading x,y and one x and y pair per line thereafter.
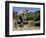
x,y
29,26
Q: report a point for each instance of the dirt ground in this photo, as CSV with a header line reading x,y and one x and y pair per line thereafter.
x,y
29,26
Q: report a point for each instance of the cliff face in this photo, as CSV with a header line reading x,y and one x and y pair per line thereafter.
x,y
22,11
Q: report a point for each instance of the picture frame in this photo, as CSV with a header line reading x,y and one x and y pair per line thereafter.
x,y
7,16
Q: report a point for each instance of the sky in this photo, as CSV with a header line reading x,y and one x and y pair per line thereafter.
x,y
18,9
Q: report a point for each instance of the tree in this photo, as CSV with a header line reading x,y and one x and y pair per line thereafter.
x,y
37,16
15,15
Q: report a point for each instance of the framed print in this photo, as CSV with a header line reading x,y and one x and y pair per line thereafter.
x,y
24,18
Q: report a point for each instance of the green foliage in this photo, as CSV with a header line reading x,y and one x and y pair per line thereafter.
x,y
37,16
33,16
15,15
29,15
